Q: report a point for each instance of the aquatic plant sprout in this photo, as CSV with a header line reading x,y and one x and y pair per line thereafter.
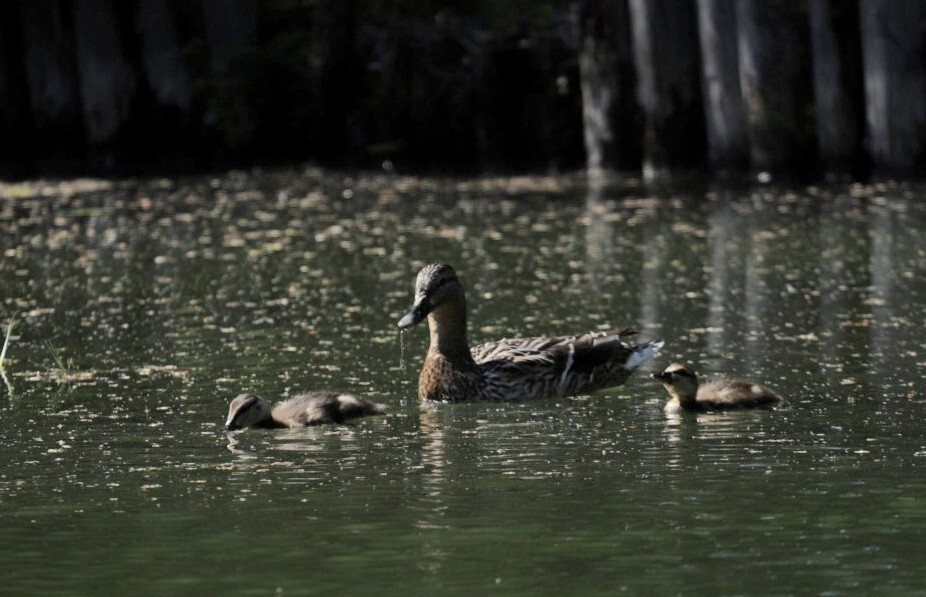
x,y
6,340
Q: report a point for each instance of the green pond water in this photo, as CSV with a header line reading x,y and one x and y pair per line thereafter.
x,y
143,307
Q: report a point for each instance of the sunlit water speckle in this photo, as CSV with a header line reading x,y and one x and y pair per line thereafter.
x,y
145,306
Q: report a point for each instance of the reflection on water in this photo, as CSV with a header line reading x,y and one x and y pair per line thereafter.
x,y
431,520
147,305
432,454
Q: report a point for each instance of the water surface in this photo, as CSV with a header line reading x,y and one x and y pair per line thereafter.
x,y
145,306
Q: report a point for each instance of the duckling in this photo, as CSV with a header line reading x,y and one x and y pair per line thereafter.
x,y
316,408
510,369
682,385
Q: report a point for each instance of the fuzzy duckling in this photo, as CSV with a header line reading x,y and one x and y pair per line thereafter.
x,y
316,408
687,395
515,368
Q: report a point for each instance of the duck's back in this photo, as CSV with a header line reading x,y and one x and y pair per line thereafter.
x,y
735,394
354,407
523,368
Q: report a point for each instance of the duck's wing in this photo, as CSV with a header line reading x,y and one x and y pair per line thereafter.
x,y
561,365
544,344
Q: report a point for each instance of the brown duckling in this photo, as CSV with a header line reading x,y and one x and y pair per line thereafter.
x,y
687,394
316,408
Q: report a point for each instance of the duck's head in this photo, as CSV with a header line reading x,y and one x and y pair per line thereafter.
x,y
246,410
436,285
678,379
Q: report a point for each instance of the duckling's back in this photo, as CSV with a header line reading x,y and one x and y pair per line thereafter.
x,y
736,394
318,408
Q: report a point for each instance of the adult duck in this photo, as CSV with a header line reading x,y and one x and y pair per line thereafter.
x,y
510,369
316,408
689,395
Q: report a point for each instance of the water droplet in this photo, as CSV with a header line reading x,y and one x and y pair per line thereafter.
x,y
401,350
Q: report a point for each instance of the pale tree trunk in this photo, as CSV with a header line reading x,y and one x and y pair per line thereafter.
x,y
895,82
51,72
610,117
775,83
231,30
165,71
107,81
727,139
837,84
666,54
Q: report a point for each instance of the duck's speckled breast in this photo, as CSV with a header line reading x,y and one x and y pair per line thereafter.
x,y
442,380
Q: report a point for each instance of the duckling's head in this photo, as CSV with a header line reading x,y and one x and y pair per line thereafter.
x,y
436,285
246,410
680,381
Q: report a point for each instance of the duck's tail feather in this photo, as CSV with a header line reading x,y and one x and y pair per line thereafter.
x,y
643,353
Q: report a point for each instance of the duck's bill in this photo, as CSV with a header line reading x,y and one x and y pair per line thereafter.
x,y
660,376
415,316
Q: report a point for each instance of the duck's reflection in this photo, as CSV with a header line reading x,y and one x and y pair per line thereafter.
x,y
434,464
233,444
254,450
710,438
432,520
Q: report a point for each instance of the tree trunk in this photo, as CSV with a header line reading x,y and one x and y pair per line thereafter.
x,y
775,83
231,31
107,82
666,54
339,74
610,116
165,71
727,139
51,73
15,117
895,82
837,84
